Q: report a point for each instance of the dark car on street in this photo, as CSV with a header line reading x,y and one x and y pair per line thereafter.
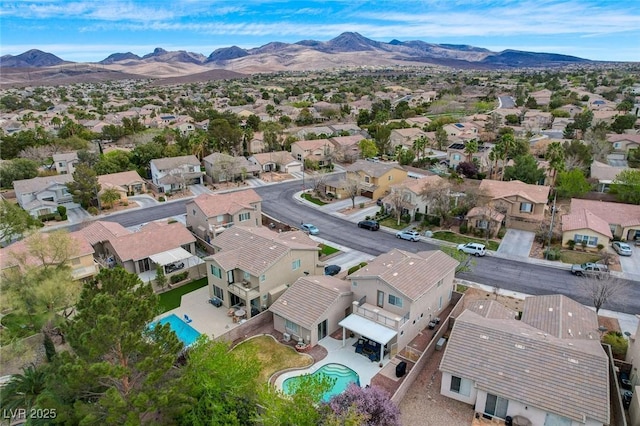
x,y
371,225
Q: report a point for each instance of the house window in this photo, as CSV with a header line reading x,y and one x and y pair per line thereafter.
x,y
616,145
292,327
390,177
246,276
526,207
482,224
395,300
218,292
295,264
263,277
440,283
366,179
193,212
460,386
456,157
555,420
75,261
496,406
216,272
380,300
245,216
586,239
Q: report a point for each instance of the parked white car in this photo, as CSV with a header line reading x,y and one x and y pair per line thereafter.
x,y
475,249
623,249
408,235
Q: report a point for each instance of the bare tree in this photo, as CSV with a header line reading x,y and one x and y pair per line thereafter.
x,y
352,189
179,177
318,181
398,202
602,289
573,162
438,197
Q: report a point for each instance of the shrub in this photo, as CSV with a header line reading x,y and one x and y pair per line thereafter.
x,y
49,347
362,205
406,218
161,199
62,211
356,267
93,210
179,277
501,232
618,344
464,228
419,216
600,247
571,244
125,203
58,218
552,254
47,217
432,220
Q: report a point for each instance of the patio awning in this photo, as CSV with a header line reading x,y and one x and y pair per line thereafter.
x,y
170,256
367,328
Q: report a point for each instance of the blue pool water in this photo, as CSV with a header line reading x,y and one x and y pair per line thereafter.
x,y
184,331
343,375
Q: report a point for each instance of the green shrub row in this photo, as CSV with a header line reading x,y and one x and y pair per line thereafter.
x,y
179,277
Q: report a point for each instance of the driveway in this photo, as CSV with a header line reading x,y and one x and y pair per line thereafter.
x,y
199,189
516,243
77,215
631,264
144,200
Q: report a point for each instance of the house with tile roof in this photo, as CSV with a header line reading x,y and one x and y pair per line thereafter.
x,y
210,214
253,266
81,261
485,218
523,204
65,162
405,137
276,161
317,150
397,294
585,228
606,173
624,142
220,167
411,190
126,183
547,368
456,154
374,179
140,252
43,195
346,148
312,318
176,173
623,220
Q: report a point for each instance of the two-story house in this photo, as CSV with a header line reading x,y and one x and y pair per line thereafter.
x,y
81,261
412,194
456,154
254,266
210,214
176,173
43,195
374,179
154,244
220,167
346,148
406,137
397,294
65,163
317,150
522,204
548,368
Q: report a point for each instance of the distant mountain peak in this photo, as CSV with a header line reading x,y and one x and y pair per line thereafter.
x,y
31,58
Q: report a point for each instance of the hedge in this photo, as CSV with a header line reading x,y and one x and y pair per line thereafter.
x,y
179,277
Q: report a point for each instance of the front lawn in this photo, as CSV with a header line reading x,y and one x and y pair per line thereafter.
x,y
313,199
272,355
392,222
572,256
463,239
171,299
326,250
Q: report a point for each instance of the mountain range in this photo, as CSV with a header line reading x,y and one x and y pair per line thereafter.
x,y
348,49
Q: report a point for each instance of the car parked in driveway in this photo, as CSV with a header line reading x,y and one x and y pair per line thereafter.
x,y
475,249
332,269
408,235
309,229
371,225
623,249
590,270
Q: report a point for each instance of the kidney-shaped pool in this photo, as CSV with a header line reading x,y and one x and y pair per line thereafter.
x,y
343,375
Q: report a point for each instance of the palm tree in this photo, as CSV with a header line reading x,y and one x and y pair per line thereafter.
x,y
555,157
23,389
420,146
471,148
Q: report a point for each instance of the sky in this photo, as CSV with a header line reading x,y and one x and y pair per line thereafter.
x,y
89,31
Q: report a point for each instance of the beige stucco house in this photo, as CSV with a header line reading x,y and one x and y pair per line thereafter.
x,y
456,155
65,162
522,204
346,148
411,190
311,319
623,219
549,368
584,227
210,214
176,173
624,142
277,161
254,266
221,167
397,294
317,150
80,261
374,179
405,137
42,195
126,183
485,218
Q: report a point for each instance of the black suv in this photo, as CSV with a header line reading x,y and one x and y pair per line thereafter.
x,y
371,225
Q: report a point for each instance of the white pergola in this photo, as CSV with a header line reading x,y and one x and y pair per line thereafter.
x,y
170,256
365,327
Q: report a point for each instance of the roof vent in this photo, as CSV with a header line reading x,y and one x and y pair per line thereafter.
x,y
484,336
411,263
570,314
519,346
573,361
550,309
395,274
284,302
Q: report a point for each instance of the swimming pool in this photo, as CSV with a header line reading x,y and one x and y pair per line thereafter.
x,y
343,375
184,331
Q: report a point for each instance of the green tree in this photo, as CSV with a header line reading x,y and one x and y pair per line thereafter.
x,y
161,278
382,136
626,186
226,137
113,162
442,139
634,158
582,121
623,122
368,148
14,221
109,196
406,156
17,169
572,183
85,186
470,148
579,151
120,371
23,389
525,169
420,146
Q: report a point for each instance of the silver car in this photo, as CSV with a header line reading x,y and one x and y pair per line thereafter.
x,y
408,235
475,249
623,249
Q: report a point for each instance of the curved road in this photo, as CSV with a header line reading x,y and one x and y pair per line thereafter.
x,y
278,202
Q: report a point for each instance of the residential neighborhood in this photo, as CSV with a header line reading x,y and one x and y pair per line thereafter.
x,y
230,211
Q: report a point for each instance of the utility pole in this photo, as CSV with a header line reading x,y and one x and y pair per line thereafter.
x,y
553,215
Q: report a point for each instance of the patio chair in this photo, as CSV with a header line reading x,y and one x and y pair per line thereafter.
x,y
187,319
